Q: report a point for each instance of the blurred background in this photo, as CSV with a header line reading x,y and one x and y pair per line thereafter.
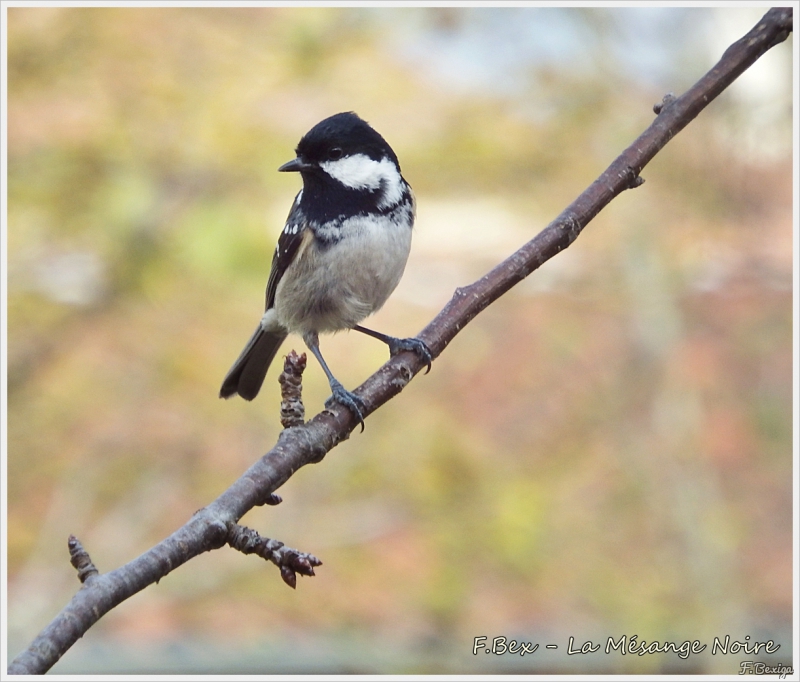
x,y
607,450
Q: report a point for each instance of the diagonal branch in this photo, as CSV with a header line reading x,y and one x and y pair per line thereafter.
x,y
210,528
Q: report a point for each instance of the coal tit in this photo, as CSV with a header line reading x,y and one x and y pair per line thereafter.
x,y
341,253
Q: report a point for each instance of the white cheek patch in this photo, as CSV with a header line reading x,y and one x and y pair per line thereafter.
x,y
361,172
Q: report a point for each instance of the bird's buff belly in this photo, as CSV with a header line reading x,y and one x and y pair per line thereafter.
x,y
333,288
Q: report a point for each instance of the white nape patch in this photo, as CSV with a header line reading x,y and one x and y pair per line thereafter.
x,y
361,172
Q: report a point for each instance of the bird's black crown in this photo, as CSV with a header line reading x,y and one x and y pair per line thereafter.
x,y
343,135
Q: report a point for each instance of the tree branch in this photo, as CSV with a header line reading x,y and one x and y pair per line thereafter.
x,y
215,525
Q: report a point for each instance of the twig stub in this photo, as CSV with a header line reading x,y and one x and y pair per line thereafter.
x,y
81,560
293,412
289,561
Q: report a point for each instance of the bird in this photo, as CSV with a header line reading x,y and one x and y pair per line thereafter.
x,y
341,253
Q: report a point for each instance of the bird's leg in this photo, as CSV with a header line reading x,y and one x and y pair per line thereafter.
x,y
340,394
399,345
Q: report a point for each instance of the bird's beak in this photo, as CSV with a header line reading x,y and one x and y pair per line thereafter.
x,y
295,165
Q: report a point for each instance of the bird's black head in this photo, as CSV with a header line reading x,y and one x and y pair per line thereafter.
x,y
343,135
347,169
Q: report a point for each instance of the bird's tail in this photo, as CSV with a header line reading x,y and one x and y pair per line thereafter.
x,y
250,368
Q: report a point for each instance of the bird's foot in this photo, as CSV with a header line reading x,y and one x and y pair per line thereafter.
x,y
413,344
347,398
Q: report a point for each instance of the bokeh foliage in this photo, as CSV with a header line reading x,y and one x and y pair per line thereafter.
x,y
606,450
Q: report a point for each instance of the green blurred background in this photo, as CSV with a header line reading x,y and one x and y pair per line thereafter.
x,y
607,450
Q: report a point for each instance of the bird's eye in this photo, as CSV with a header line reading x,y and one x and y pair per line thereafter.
x,y
335,153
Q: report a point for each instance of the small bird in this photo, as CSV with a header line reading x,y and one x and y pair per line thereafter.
x,y
340,255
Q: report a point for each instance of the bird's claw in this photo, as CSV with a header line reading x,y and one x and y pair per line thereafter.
x,y
415,345
349,399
